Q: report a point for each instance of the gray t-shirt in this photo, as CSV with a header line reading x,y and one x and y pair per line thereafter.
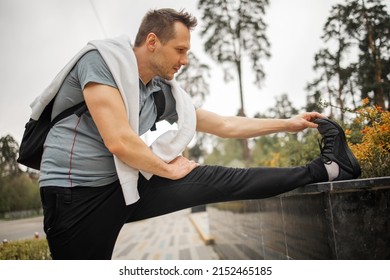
x,y
74,152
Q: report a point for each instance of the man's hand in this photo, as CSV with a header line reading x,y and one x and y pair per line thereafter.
x,y
303,121
181,167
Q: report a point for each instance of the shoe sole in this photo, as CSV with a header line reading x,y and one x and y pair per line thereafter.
x,y
356,170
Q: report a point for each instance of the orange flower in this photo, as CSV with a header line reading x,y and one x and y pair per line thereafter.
x,y
373,151
366,101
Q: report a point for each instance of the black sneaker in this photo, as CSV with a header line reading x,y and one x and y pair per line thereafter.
x,y
334,148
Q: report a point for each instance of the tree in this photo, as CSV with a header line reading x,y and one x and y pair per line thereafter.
x,y
335,83
356,56
234,30
333,63
373,34
9,149
283,108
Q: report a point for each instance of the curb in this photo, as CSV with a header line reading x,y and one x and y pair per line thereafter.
x,y
200,222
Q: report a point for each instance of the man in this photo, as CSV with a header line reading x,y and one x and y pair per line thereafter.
x,y
84,205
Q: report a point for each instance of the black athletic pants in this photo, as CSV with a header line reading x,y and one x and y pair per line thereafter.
x,y
84,222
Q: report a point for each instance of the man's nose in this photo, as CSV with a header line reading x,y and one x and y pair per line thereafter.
x,y
184,59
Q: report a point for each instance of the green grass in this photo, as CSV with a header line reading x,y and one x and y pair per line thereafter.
x,y
25,250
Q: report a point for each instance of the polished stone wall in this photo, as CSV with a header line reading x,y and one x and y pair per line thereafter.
x,y
337,220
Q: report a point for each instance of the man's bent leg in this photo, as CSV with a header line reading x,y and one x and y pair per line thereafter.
x,y
83,222
210,184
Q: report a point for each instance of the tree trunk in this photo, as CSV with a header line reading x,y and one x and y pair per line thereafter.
x,y
241,112
379,97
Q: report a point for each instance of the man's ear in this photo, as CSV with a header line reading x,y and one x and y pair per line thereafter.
x,y
151,41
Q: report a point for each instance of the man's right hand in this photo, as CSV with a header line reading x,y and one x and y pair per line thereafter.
x,y
181,167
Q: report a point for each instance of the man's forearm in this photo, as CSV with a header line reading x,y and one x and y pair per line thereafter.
x,y
135,153
242,127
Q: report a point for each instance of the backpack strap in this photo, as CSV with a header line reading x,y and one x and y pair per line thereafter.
x,y
77,109
159,101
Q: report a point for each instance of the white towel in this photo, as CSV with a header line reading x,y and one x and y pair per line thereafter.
x,y
120,58
170,144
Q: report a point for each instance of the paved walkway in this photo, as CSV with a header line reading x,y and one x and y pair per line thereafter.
x,y
178,236
21,229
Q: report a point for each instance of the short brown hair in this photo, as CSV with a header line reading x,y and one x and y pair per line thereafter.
x,y
161,22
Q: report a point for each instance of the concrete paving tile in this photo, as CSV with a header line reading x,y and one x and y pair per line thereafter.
x,y
168,237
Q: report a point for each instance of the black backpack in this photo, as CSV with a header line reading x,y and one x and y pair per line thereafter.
x,y
34,136
159,100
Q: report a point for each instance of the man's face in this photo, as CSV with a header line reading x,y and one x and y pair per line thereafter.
x,y
169,57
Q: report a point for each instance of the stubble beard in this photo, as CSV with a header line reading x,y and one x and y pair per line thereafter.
x,y
159,68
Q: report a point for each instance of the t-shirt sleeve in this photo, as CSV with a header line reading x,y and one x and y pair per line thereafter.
x,y
92,68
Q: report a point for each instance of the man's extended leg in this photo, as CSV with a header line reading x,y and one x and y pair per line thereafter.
x,y
210,184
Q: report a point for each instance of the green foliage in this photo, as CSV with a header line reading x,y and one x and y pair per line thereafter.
x,y
25,250
277,150
266,151
226,152
19,193
18,190
283,150
302,148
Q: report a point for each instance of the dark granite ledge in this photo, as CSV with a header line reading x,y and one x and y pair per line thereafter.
x,y
347,185
335,220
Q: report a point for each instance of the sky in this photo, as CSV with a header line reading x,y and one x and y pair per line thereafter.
x,y
39,37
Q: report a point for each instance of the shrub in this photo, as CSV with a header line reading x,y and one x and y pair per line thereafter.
x,y
25,250
371,144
